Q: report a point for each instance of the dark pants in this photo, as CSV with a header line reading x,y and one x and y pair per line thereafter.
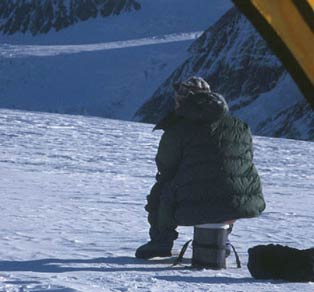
x,y
160,216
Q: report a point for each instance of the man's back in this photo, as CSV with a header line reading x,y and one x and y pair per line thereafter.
x,y
215,179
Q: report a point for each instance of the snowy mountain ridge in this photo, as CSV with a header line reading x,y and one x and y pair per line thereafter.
x,y
237,63
104,66
41,16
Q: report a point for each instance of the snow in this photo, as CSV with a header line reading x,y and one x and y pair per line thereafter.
x,y
284,95
12,51
72,208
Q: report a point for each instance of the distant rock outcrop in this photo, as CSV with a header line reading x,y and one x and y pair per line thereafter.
x,y
40,16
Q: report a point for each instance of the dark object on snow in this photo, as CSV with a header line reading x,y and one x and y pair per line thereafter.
x,y
209,246
154,249
281,262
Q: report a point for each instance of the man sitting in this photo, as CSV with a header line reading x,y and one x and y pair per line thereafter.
x,y
205,168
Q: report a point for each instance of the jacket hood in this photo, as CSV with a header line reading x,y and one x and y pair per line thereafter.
x,y
168,121
203,107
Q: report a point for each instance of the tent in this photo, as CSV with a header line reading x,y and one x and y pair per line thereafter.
x,y
288,28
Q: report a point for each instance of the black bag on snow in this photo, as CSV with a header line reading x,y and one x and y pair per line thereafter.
x,y
281,262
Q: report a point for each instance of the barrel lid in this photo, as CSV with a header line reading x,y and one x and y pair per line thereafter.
x,y
213,226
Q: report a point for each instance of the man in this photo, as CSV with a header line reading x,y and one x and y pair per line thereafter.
x,y
205,168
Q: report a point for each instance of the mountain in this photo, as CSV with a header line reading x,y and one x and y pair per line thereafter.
x,y
73,191
237,63
40,16
93,21
104,66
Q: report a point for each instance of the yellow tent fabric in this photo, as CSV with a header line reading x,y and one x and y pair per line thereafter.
x,y
288,28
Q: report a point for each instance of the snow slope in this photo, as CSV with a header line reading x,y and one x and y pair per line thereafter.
x,y
72,195
76,70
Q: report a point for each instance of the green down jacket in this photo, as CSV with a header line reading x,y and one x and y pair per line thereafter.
x,y
205,164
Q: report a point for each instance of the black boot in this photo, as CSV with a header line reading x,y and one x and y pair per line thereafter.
x,y
160,245
154,249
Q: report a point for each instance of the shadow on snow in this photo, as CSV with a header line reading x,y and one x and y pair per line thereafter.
x,y
129,264
71,265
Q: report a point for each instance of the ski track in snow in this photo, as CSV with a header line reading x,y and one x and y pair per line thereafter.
x,y
13,51
72,195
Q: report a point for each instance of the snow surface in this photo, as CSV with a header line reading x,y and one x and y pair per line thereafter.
x,y
72,208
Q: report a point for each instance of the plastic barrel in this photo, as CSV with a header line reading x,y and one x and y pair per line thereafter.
x,y
209,246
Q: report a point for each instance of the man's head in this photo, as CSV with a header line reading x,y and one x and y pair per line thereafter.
x,y
195,100
192,85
